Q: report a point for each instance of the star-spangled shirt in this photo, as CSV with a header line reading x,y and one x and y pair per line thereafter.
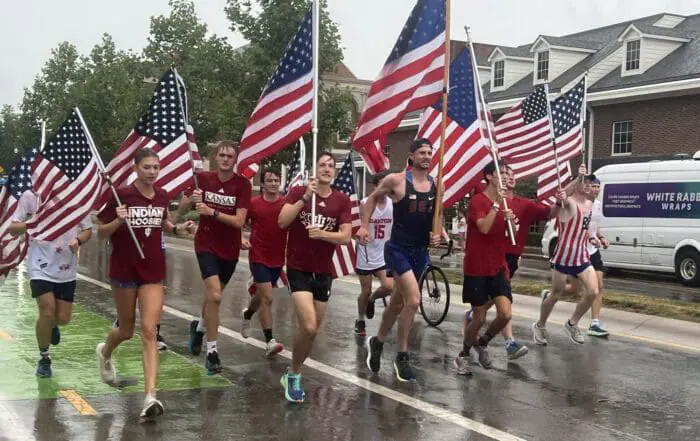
x,y
566,110
164,122
68,149
297,60
426,22
534,107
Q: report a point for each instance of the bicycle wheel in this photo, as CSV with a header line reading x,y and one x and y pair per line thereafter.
x,y
434,295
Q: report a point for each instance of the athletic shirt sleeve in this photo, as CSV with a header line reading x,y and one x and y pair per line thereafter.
x,y
294,195
478,209
539,211
109,212
244,196
25,207
346,211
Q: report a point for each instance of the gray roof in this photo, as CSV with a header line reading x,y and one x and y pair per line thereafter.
x,y
573,42
678,32
520,51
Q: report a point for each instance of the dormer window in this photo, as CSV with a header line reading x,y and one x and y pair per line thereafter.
x,y
633,55
499,73
543,65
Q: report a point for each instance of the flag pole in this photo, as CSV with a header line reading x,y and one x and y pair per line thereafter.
x,y
186,119
101,165
583,120
43,135
492,144
437,213
551,133
314,130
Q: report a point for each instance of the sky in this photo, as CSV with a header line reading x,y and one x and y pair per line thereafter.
x,y
369,28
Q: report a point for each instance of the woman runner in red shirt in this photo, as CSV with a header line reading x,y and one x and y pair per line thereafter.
x,y
145,208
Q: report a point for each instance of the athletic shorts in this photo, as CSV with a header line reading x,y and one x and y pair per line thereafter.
x,y
129,284
210,265
597,261
61,291
265,274
399,259
572,271
317,284
478,290
512,260
372,272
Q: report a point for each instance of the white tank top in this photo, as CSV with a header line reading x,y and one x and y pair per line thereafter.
x,y
371,256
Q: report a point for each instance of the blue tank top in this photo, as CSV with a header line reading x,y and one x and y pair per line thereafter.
x,y
413,216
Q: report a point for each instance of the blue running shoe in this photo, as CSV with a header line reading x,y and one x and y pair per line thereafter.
x,y
515,350
196,338
43,368
213,364
292,387
55,336
597,331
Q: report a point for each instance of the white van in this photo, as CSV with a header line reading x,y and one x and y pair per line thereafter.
x,y
651,217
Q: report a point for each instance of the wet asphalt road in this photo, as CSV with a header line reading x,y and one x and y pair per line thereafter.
x,y
605,390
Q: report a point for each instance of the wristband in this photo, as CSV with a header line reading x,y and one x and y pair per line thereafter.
x,y
494,207
216,214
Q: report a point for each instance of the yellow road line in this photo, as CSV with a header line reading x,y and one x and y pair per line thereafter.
x,y
78,402
5,336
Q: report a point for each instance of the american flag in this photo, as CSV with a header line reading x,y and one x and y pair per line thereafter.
x,y
295,171
19,180
412,77
466,149
374,157
66,179
165,129
547,183
344,258
285,109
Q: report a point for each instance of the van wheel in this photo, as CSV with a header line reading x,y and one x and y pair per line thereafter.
x,y
552,247
688,267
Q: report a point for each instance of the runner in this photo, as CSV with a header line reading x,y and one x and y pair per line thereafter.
x,y
571,259
222,201
52,267
267,246
309,258
370,258
413,194
145,208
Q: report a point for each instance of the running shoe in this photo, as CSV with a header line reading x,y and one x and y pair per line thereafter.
x,y
574,333
370,308
515,350
213,364
196,338
151,408
107,371
55,336
484,357
43,368
597,331
539,334
245,325
273,348
360,328
461,363
292,387
403,370
374,354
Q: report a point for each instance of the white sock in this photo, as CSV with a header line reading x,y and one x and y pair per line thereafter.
x,y
595,322
211,347
509,340
200,325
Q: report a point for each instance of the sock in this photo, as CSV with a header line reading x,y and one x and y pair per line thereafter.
x,y
402,355
595,322
248,314
268,334
509,340
485,339
200,325
158,329
361,317
211,347
465,349
570,324
44,352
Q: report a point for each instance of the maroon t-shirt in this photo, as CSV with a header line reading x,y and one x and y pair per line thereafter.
x,y
146,217
525,212
267,240
314,255
213,236
486,253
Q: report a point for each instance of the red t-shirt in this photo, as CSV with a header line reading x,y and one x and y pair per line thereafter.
x,y
146,217
486,253
214,236
267,240
314,255
525,212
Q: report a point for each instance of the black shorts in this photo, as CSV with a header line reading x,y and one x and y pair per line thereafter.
x,y
597,261
512,261
478,290
316,283
61,291
265,274
210,265
373,272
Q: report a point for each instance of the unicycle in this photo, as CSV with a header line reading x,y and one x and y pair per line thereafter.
x,y
435,292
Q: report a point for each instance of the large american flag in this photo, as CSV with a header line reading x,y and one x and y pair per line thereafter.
x,y
344,258
466,149
285,109
19,180
412,77
374,156
296,168
66,179
165,129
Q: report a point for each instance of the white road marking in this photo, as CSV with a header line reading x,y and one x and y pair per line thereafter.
x,y
415,403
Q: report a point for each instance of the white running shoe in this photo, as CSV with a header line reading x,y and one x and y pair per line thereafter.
x,y
245,325
107,371
539,334
151,408
273,348
574,333
461,363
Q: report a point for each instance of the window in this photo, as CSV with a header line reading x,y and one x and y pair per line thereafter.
x,y
543,65
498,73
387,150
622,138
633,51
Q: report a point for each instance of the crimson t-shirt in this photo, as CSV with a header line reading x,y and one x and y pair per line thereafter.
x,y
315,255
486,253
267,240
525,212
214,236
146,217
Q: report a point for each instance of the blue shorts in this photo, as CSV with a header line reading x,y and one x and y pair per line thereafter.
x,y
265,274
400,259
572,271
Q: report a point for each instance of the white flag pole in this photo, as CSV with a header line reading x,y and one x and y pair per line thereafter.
x,y
315,39
186,118
43,135
551,133
101,165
